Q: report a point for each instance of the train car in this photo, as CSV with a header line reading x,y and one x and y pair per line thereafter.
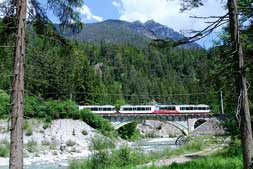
x,y
105,109
137,109
166,109
194,109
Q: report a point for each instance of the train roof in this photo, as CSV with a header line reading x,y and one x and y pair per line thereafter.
x,y
88,106
136,105
194,105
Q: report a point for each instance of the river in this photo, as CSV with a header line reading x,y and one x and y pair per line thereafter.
x,y
150,144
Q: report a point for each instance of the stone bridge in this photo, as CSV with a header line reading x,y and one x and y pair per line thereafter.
x,y
186,123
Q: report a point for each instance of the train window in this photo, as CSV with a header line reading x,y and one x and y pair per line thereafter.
x,y
138,108
195,108
182,108
149,108
172,108
191,108
94,109
107,109
187,108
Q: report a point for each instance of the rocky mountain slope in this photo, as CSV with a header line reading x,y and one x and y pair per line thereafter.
x,y
117,31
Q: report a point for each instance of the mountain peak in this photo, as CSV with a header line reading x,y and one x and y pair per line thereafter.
x,y
123,32
151,21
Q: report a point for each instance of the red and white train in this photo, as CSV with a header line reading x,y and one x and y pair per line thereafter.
x,y
149,109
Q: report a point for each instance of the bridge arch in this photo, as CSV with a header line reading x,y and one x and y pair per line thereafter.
x,y
179,126
198,123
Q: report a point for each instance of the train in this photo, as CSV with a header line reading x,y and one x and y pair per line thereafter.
x,y
148,109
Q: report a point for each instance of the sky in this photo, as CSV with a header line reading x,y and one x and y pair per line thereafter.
x,y
166,12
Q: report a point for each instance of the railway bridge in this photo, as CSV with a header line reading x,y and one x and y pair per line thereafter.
x,y
186,123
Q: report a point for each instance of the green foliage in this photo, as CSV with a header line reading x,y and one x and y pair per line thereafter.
x,y
97,122
231,126
126,158
230,157
102,143
4,148
32,146
129,131
4,104
206,163
119,103
28,128
58,109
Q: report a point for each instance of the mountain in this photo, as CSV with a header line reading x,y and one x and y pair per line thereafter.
x,y
122,32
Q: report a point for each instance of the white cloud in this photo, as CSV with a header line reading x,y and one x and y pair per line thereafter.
x,y
167,12
86,12
1,14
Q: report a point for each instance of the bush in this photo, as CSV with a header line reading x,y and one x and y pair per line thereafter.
x,y
4,148
58,109
97,122
84,132
70,143
32,146
28,128
129,132
4,151
4,104
102,143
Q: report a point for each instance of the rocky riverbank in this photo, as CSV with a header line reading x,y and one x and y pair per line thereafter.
x,y
59,140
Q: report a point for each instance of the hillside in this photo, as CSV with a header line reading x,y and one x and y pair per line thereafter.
x,y
122,32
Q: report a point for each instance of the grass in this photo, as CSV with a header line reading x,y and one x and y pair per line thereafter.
x,y
102,143
206,163
125,158
228,158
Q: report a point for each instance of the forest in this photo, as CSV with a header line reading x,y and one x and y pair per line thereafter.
x,y
90,73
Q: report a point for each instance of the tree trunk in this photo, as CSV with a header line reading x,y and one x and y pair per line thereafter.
x,y
241,85
17,110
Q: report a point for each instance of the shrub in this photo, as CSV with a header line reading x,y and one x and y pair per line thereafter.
x,y
4,104
45,143
53,146
97,122
84,132
102,143
46,125
32,146
129,132
4,151
61,109
28,128
70,143
4,148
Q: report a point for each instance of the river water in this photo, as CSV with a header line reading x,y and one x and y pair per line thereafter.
x,y
151,144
